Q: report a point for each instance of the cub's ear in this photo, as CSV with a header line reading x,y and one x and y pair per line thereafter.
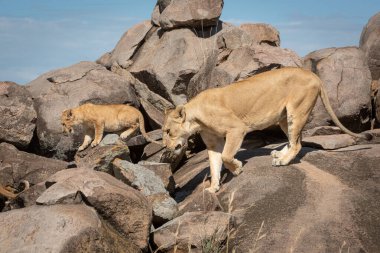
x,y
168,110
68,114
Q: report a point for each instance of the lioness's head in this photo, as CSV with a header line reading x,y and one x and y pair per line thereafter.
x,y
175,129
68,121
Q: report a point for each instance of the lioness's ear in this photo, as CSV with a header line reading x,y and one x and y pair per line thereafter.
x,y
168,110
181,113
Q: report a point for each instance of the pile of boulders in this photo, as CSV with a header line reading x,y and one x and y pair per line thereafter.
x,y
136,196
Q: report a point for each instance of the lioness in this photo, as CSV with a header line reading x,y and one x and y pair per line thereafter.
x,y
109,118
224,115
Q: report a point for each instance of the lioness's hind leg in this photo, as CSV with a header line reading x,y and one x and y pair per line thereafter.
x,y
284,127
124,135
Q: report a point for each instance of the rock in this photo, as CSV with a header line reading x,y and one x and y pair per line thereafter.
x,y
18,117
244,62
262,34
59,228
191,14
193,229
164,208
155,18
322,130
100,158
150,184
347,82
67,88
329,141
140,140
167,61
138,177
120,205
199,200
154,152
152,104
370,44
163,171
233,38
317,203
16,166
127,46
30,196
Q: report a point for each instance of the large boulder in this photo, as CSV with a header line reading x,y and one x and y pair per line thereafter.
x,y
127,46
262,33
240,63
18,117
120,205
196,13
195,230
347,81
323,201
59,228
167,61
58,90
370,44
16,166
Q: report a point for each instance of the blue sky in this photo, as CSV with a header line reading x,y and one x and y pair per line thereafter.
x,y
40,35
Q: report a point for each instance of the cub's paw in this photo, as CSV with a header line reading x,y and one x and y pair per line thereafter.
x,y
213,189
94,144
81,149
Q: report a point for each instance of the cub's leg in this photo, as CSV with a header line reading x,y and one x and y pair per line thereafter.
x,y
99,130
124,135
214,146
87,138
284,127
234,139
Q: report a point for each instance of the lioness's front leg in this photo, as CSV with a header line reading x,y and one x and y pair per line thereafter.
x,y
99,129
214,148
234,140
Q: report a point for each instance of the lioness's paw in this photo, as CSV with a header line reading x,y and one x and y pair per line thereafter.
x,y
94,144
80,149
278,162
275,154
212,189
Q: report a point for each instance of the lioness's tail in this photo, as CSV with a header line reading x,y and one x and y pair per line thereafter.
x,y
143,132
335,119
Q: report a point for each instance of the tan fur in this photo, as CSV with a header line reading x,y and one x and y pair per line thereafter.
x,y
224,115
97,119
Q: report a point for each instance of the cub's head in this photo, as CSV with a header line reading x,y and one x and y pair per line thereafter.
x,y
68,120
176,129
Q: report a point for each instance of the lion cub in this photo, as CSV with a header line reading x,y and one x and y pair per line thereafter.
x,y
109,118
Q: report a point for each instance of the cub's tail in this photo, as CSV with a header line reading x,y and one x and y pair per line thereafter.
x,y
326,103
9,194
143,132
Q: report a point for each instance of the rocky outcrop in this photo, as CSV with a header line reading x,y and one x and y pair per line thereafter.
x,y
120,205
67,88
347,81
370,44
18,117
193,14
59,228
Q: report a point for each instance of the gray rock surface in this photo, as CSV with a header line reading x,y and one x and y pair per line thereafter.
x,y
196,13
69,87
18,116
16,166
193,229
262,33
370,44
126,209
347,81
59,228
329,142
